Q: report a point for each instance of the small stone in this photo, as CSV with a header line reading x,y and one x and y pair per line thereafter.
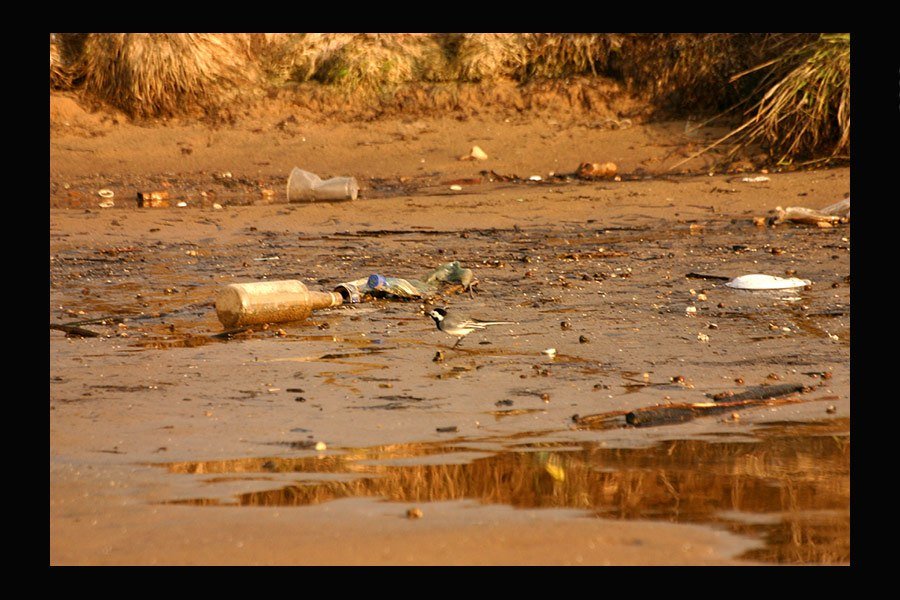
x,y
565,325
545,397
320,446
739,380
438,356
773,376
551,352
701,297
702,337
583,339
414,513
831,410
677,379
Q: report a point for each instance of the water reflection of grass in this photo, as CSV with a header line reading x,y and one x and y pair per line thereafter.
x,y
800,481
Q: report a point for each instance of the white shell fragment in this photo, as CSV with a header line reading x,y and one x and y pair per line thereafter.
x,y
107,204
551,352
766,282
456,188
106,193
182,204
535,178
758,179
478,154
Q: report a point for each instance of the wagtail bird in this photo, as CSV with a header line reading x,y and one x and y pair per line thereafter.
x,y
460,325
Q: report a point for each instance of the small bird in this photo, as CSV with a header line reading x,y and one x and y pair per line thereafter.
x,y
460,325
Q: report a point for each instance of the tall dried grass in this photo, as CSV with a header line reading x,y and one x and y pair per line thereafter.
x,y
482,56
153,75
805,110
555,56
693,71
59,75
295,57
376,62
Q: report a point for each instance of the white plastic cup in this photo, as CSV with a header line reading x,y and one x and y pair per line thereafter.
x,y
303,186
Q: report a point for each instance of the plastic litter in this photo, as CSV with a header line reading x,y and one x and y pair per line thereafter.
x,y
476,154
377,285
303,186
153,199
839,212
588,170
758,281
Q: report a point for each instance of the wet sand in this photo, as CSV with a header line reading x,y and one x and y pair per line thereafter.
x,y
168,446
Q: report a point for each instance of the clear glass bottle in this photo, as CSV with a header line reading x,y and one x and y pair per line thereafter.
x,y
240,304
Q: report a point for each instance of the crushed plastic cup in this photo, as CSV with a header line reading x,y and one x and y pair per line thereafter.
x,y
303,186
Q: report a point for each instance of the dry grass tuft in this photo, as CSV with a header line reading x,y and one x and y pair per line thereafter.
x,y
481,56
555,56
59,75
693,71
154,75
805,110
376,62
296,56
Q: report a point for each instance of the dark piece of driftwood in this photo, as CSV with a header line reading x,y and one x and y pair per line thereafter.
x,y
73,330
758,392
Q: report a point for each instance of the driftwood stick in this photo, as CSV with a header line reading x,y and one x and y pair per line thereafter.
x,y
73,330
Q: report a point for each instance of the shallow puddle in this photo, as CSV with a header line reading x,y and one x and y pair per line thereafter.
x,y
790,487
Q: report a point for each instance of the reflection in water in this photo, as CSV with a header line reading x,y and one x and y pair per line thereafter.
x,y
791,487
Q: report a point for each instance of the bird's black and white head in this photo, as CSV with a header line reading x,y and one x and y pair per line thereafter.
x,y
438,315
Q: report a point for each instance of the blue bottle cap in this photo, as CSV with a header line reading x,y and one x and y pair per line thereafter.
x,y
376,281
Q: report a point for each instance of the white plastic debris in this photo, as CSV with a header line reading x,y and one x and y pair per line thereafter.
x,y
758,179
478,154
535,178
758,281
